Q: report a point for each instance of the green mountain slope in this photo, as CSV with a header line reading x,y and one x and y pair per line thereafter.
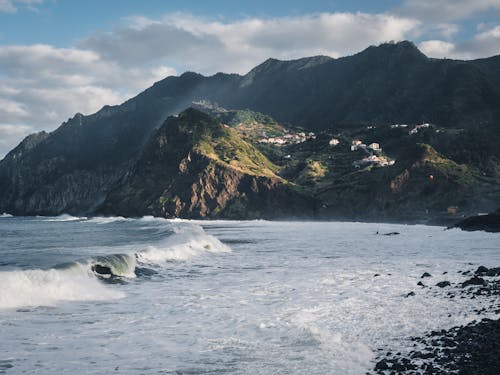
x,y
194,167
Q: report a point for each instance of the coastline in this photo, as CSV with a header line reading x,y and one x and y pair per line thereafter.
x,y
472,348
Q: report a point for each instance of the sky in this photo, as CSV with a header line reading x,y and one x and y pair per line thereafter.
x,y
60,57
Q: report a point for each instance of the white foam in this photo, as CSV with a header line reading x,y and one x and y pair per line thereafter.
x,y
48,287
106,220
64,217
188,241
5,214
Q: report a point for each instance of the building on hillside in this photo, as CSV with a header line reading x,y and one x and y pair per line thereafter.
x,y
333,142
356,144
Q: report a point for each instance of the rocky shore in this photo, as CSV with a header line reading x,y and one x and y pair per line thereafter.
x,y
469,349
487,223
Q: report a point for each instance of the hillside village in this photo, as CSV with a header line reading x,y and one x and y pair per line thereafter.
x,y
290,137
374,155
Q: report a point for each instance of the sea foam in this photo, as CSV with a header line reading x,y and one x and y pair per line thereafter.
x,y
47,287
187,241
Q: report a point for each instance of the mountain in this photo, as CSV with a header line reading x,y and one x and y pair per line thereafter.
x,y
194,167
92,162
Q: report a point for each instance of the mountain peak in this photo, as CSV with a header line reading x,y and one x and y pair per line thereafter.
x,y
400,49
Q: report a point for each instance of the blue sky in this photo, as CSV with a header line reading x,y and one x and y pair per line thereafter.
x,y
64,22
59,57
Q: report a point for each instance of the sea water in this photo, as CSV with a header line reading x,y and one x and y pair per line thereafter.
x,y
214,297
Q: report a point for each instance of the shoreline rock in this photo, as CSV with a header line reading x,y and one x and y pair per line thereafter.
x,y
470,349
487,223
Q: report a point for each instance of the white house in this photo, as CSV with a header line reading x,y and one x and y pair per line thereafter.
x,y
334,142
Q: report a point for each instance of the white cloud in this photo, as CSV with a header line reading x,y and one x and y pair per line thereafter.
x,y
6,6
9,6
484,44
10,135
209,46
41,86
437,48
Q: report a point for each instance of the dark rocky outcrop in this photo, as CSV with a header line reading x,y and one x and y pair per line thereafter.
x,y
471,349
487,223
443,284
484,271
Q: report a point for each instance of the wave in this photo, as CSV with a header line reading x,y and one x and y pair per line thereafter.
x,y
118,265
81,280
187,241
5,214
106,219
48,287
63,217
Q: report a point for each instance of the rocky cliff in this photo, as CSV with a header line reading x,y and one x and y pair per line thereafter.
x,y
194,167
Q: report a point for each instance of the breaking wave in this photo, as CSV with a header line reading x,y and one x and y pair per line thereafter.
x,y
48,287
63,217
186,242
5,214
106,219
81,280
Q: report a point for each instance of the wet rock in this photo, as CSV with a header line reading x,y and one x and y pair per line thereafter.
x,y
425,274
443,284
411,294
488,223
391,234
421,284
381,365
483,271
474,281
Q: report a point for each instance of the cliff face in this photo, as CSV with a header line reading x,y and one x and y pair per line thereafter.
x,y
193,167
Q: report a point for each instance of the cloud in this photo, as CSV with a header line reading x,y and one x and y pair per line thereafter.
x,y
209,46
484,44
437,48
446,10
41,86
12,134
9,6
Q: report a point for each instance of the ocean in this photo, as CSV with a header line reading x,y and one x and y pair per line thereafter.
x,y
156,296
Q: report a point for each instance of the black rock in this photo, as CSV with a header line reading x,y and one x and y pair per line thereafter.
x,y
381,365
421,284
481,270
493,272
474,281
391,234
443,284
425,274
487,223
411,294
